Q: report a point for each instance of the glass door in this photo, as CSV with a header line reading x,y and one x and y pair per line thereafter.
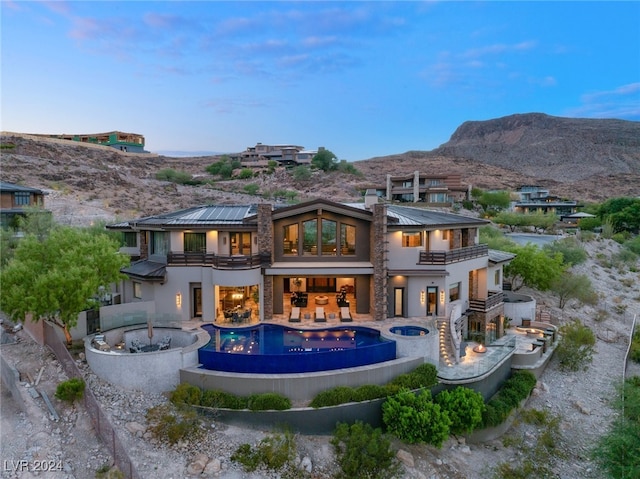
x,y
432,298
398,301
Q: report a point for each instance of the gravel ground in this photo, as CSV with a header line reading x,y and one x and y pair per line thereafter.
x,y
581,400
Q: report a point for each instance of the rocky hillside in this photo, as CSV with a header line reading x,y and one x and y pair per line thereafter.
x,y
587,160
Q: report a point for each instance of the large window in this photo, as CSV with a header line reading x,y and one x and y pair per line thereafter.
x,y
159,242
347,239
329,237
411,239
438,198
195,242
240,243
129,239
21,198
137,290
310,232
291,239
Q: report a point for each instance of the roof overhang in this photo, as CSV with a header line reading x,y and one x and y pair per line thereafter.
x,y
319,269
433,273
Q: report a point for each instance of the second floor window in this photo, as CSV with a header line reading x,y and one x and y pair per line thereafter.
x,y
310,238
329,237
129,239
240,243
411,239
159,243
21,198
291,239
195,243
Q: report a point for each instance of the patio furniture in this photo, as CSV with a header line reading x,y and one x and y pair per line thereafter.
x,y
345,315
320,316
322,299
294,317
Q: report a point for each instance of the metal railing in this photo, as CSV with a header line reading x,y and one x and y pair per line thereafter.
x,y
99,419
217,261
454,255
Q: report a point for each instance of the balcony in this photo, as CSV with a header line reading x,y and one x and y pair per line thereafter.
x,y
454,255
220,262
483,305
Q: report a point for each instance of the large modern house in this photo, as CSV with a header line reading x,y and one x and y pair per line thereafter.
x,y
250,263
127,142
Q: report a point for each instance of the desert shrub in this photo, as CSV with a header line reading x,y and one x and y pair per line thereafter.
x,y
273,452
416,418
424,376
363,452
369,391
633,244
245,173
576,347
269,401
70,390
464,407
251,188
186,394
333,397
634,353
301,173
222,399
170,425
348,168
180,177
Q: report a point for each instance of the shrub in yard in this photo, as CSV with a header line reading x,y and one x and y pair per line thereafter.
x,y
273,452
269,401
512,392
222,399
70,390
186,394
424,376
416,418
363,452
368,392
634,354
333,397
170,425
464,407
576,347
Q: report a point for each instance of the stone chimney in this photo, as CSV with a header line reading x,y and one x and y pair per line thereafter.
x,y
370,198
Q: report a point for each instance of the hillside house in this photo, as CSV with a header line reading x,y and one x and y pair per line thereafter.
x,y
126,142
535,199
430,189
284,155
254,262
16,200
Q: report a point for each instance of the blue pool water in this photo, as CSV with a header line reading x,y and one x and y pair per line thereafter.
x,y
277,349
409,330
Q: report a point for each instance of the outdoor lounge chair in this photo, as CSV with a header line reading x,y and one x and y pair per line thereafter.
x,y
294,317
345,315
320,316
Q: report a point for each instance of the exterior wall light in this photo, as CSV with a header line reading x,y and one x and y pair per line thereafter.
x,y
442,296
422,296
179,299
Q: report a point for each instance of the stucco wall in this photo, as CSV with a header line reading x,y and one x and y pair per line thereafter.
x,y
519,307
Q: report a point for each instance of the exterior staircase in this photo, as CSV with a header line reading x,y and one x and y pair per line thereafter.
x,y
447,355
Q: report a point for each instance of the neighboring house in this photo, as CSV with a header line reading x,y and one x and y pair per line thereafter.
x,y
574,219
128,142
431,189
284,155
15,200
395,261
534,199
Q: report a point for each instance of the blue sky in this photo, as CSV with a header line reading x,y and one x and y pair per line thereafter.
x,y
362,79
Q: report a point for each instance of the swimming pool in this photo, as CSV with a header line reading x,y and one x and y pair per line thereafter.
x,y
278,349
409,330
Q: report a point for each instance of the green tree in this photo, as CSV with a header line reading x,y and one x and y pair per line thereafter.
x,y
325,160
494,200
495,239
570,248
57,278
589,224
246,173
623,213
464,406
510,219
363,452
569,286
251,188
533,267
542,221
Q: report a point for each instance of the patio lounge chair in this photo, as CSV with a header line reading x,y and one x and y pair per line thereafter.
x,y
320,316
294,317
345,315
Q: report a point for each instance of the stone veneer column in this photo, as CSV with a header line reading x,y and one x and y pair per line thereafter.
x,y
416,187
379,260
265,247
144,245
457,239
